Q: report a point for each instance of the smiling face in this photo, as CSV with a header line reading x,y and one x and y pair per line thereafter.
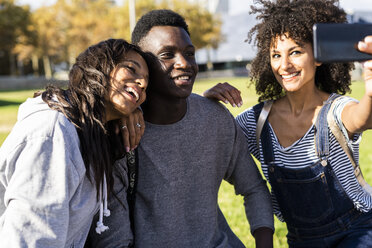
x,y
127,86
293,65
175,68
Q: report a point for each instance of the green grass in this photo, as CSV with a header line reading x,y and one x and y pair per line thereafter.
x,y
9,103
231,205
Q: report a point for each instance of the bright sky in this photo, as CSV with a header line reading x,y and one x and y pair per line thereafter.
x,y
348,5
236,6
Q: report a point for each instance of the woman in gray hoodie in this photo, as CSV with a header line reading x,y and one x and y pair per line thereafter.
x,y
56,166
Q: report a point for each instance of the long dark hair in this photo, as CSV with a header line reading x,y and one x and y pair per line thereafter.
x,y
83,103
294,18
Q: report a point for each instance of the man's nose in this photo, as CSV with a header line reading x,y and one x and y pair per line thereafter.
x,y
182,62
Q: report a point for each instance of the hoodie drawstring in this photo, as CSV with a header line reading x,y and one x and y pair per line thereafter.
x,y
103,210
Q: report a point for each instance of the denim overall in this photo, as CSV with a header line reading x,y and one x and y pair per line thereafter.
x,y
315,207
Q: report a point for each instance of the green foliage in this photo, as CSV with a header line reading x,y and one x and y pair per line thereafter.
x,y
204,27
59,32
16,34
14,25
88,22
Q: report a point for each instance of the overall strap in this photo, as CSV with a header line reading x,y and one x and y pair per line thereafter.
x,y
321,127
262,119
335,129
261,112
257,112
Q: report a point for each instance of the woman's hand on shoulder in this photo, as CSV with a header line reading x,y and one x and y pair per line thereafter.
x,y
226,93
366,46
132,129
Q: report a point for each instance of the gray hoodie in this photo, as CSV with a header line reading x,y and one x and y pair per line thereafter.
x,y
46,199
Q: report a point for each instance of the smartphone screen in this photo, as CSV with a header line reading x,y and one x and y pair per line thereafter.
x,y
336,42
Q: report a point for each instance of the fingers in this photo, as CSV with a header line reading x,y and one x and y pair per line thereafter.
x,y
140,128
226,93
132,129
366,45
368,65
125,133
233,95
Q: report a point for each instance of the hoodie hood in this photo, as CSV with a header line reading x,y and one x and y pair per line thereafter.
x,y
31,106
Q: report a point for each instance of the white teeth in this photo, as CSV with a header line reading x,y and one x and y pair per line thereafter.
x,y
131,90
183,78
290,75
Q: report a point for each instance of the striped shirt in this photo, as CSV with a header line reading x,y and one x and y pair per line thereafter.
x,y
304,150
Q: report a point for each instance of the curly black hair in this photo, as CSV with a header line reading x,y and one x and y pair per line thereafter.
x,y
159,17
295,19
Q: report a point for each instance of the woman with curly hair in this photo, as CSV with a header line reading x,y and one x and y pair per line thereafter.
x,y
56,165
314,189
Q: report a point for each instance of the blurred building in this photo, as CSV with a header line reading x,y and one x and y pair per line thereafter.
x,y
360,16
232,55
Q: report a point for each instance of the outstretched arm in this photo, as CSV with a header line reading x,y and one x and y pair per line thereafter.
x,y
357,117
226,93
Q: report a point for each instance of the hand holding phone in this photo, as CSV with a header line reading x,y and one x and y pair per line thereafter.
x,y
366,46
338,42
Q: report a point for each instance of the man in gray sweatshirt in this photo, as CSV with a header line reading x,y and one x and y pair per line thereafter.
x,y
189,146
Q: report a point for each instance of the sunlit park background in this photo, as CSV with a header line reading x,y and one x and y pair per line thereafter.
x,y
38,44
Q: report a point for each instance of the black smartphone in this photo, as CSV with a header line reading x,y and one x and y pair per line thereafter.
x,y
337,42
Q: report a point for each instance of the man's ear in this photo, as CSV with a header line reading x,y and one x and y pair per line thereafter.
x,y
318,63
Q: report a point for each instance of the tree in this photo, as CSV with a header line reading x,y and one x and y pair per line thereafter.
x,y
120,21
15,30
51,41
205,28
88,22
70,26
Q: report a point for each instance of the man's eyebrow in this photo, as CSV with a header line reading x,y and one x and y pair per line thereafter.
x,y
174,47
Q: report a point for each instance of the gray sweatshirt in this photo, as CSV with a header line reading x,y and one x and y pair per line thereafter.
x,y
46,199
181,167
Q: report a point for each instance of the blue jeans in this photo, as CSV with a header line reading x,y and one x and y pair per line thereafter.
x,y
353,230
